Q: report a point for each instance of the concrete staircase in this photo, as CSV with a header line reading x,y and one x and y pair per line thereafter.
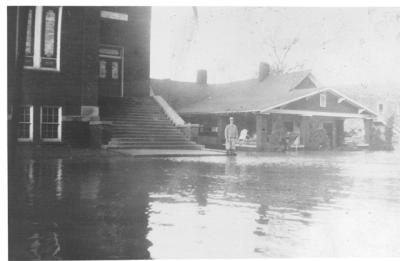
x,y
140,123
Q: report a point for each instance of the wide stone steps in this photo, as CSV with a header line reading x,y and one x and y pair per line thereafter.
x,y
157,136
143,127
139,115
136,112
140,123
156,146
164,142
144,130
149,139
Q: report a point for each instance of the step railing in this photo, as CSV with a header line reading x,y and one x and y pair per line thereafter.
x,y
169,111
190,131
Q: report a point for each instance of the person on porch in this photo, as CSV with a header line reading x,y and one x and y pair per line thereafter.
x,y
231,135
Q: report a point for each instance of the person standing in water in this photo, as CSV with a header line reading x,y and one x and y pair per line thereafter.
x,y
231,135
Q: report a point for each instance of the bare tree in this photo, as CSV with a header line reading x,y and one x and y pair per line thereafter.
x,y
278,54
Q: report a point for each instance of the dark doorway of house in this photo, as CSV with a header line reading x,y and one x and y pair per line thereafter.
x,y
110,71
328,126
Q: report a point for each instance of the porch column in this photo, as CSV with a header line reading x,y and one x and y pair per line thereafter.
x,y
305,129
334,135
367,130
340,132
221,123
261,131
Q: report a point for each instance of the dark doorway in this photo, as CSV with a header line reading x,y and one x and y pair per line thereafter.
x,y
111,71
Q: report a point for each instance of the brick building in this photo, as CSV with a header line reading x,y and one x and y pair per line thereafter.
x,y
73,57
85,79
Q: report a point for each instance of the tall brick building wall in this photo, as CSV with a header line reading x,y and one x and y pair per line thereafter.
x,y
73,56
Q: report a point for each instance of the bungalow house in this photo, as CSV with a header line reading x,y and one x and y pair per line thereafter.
x,y
271,108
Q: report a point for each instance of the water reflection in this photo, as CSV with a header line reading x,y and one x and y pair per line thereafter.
x,y
77,211
58,180
119,208
30,183
250,203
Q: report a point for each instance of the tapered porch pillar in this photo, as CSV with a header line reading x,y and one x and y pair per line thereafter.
x,y
261,131
221,123
305,130
340,132
367,130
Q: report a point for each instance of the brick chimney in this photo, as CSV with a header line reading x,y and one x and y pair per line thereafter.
x,y
201,77
263,71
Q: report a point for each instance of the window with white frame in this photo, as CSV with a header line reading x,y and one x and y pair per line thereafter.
x,y
50,123
322,100
42,49
25,123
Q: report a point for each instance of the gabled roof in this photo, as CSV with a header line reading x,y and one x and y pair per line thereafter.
x,y
247,95
372,94
243,96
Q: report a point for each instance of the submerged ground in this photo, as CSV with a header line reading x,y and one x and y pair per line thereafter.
x,y
98,205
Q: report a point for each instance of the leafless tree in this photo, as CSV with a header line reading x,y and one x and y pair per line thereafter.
x,y
278,54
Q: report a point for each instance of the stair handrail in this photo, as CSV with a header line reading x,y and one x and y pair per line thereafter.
x,y
169,111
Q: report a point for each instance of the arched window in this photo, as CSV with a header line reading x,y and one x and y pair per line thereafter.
x,y
30,29
49,35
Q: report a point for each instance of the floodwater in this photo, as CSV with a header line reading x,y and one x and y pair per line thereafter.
x,y
329,204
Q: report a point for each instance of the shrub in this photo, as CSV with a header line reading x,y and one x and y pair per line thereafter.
x,y
319,139
385,141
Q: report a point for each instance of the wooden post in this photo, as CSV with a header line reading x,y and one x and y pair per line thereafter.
x,y
334,135
340,132
261,131
305,129
221,130
367,130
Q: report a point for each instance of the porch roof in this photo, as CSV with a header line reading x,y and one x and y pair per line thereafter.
x,y
244,96
319,113
239,96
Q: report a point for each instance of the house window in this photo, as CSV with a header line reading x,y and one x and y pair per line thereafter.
x,y
102,69
42,50
30,31
322,100
114,70
380,108
206,130
50,123
25,124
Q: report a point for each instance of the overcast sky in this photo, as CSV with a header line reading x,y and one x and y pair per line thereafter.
x,y
339,45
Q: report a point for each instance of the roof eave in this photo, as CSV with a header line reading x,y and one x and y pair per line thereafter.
x,y
292,100
319,91
220,112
